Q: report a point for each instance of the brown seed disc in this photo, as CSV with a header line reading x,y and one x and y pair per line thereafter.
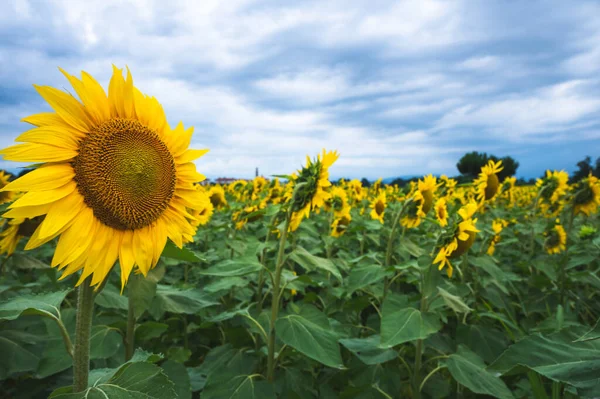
x,y
125,173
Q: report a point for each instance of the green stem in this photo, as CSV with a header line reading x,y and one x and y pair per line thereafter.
x,y
435,370
563,264
83,328
419,358
275,295
130,334
390,246
65,335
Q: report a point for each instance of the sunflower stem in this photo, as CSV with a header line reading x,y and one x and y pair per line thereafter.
x,y
83,327
275,295
130,334
390,246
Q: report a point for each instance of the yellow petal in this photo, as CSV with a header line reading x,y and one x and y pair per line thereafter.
x,y
67,107
126,258
75,240
52,135
47,177
115,93
44,197
142,249
28,211
97,93
190,155
61,214
33,152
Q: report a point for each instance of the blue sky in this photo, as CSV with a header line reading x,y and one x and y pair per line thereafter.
x,y
397,87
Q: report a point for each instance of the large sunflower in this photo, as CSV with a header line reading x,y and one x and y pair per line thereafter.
x,y
113,180
556,239
378,207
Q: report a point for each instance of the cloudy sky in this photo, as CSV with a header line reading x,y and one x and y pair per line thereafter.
x,y
397,87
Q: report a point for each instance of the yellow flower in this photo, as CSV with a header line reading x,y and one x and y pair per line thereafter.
x,y
5,196
556,239
340,223
587,196
217,196
460,241
204,210
14,230
338,201
356,190
312,181
441,212
487,183
378,207
427,187
114,181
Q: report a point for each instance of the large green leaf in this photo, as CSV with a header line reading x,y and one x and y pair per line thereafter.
x,y
228,386
177,373
46,304
400,323
556,357
362,276
368,350
233,267
592,334
311,262
16,357
454,302
309,332
171,251
137,380
174,300
469,370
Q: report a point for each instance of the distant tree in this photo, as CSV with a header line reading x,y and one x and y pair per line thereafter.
x,y
597,168
365,182
584,168
470,164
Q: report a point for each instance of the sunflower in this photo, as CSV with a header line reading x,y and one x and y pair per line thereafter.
x,y
113,179
556,239
487,183
5,196
338,201
341,222
217,196
312,180
355,189
460,239
204,210
587,196
497,227
422,201
14,230
441,212
378,207
258,184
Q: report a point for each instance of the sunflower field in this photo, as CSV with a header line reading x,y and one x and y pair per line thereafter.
x,y
122,276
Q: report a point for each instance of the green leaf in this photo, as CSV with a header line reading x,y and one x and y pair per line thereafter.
x,y
368,350
142,290
469,370
111,298
486,341
225,284
177,373
311,262
27,262
233,267
16,357
400,323
228,386
171,251
454,302
105,342
591,335
556,357
46,304
174,300
362,276
137,380
309,332
150,330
